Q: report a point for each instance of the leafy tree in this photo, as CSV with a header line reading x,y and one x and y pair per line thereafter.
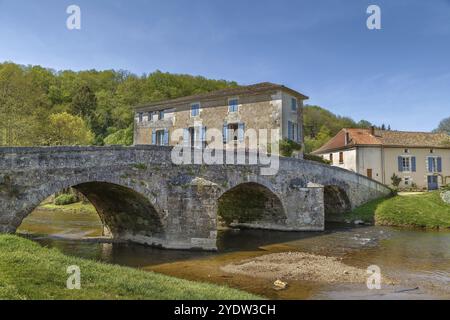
x,y
444,126
67,129
120,137
322,137
84,103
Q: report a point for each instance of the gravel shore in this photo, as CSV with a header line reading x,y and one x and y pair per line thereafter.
x,y
298,266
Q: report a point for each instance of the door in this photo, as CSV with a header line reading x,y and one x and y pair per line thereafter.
x,y
433,183
369,173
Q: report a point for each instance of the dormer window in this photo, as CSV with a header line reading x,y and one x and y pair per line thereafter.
x,y
195,109
233,105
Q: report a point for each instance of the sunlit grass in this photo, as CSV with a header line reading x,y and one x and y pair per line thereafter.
x,y
29,271
418,210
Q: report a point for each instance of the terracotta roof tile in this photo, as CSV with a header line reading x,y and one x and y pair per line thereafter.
x,y
360,137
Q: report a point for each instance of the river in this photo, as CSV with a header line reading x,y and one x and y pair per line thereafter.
x,y
418,261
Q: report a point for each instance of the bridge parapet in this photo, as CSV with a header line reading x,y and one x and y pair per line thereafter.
x,y
142,196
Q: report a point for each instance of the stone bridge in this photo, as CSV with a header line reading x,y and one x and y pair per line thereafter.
x,y
141,196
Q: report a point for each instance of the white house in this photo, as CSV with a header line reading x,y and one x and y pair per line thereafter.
x,y
420,159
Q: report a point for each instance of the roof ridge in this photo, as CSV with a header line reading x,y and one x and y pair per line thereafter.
x,y
224,91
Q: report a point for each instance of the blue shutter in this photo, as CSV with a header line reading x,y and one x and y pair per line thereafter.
x,y
298,132
413,164
225,132
166,137
400,164
430,165
241,131
203,134
153,137
289,130
439,164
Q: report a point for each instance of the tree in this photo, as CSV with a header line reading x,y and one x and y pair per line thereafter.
x,y
444,126
121,137
67,129
322,137
84,103
20,103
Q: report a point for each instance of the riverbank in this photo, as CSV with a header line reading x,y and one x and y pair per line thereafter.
x,y
74,207
424,210
29,271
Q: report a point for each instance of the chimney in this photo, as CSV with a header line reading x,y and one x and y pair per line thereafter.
x,y
372,130
347,138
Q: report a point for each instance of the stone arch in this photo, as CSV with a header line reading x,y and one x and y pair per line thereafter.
x,y
125,210
336,201
252,205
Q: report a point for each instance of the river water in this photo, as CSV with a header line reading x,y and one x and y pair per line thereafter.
x,y
417,261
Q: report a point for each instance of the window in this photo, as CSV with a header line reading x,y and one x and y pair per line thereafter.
x,y
141,116
150,116
341,158
233,105
160,137
331,158
195,109
161,115
431,150
293,104
406,150
434,164
407,180
406,164
233,132
291,130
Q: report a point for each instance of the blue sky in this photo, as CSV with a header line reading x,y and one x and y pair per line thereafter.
x,y
399,75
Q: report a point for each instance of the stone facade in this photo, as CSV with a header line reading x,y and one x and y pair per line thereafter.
x,y
142,196
270,107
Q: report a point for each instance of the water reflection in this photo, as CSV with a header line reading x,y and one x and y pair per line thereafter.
x,y
417,258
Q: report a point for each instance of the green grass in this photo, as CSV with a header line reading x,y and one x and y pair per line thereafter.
x,y
77,207
29,271
425,210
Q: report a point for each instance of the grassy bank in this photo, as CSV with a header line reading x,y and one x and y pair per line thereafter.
x,y
29,271
74,207
426,210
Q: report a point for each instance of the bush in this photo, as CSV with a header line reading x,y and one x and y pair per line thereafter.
x,y
396,180
65,199
313,157
287,147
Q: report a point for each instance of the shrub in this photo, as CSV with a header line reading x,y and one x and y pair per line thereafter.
x,y
65,199
396,180
287,147
313,157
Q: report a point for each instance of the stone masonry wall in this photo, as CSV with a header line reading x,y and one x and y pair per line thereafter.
x,y
143,197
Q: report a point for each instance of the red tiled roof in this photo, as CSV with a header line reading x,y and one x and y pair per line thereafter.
x,y
365,137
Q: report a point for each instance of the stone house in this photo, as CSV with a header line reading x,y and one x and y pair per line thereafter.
x,y
232,111
420,159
